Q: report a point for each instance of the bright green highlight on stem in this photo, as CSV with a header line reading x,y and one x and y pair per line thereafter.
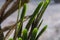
x,y
24,34
34,33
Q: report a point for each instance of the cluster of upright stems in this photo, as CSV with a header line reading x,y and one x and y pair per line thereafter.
x,y
4,14
34,23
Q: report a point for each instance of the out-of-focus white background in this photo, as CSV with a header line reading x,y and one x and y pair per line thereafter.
x,y
51,18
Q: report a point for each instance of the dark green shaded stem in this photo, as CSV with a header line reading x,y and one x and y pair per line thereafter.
x,y
31,30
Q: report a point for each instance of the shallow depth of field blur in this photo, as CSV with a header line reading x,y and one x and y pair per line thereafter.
x,y
51,18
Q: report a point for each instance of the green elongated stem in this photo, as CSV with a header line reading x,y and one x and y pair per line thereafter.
x,y
39,16
23,12
34,33
33,16
41,12
34,23
30,33
40,33
24,34
21,20
16,29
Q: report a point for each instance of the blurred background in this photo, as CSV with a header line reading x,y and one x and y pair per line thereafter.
x,y
51,18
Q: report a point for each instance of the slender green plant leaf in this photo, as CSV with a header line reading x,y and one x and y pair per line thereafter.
x,y
16,29
21,20
34,32
34,24
33,16
40,33
40,14
36,19
24,34
23,12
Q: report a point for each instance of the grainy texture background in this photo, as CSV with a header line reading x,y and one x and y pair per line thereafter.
x,y
51,18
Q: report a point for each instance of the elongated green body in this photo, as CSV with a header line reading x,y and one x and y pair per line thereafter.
x,y
33,16
40,33
34,33
24,34
21,20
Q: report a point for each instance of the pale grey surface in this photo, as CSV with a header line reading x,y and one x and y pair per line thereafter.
x,y
51,18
